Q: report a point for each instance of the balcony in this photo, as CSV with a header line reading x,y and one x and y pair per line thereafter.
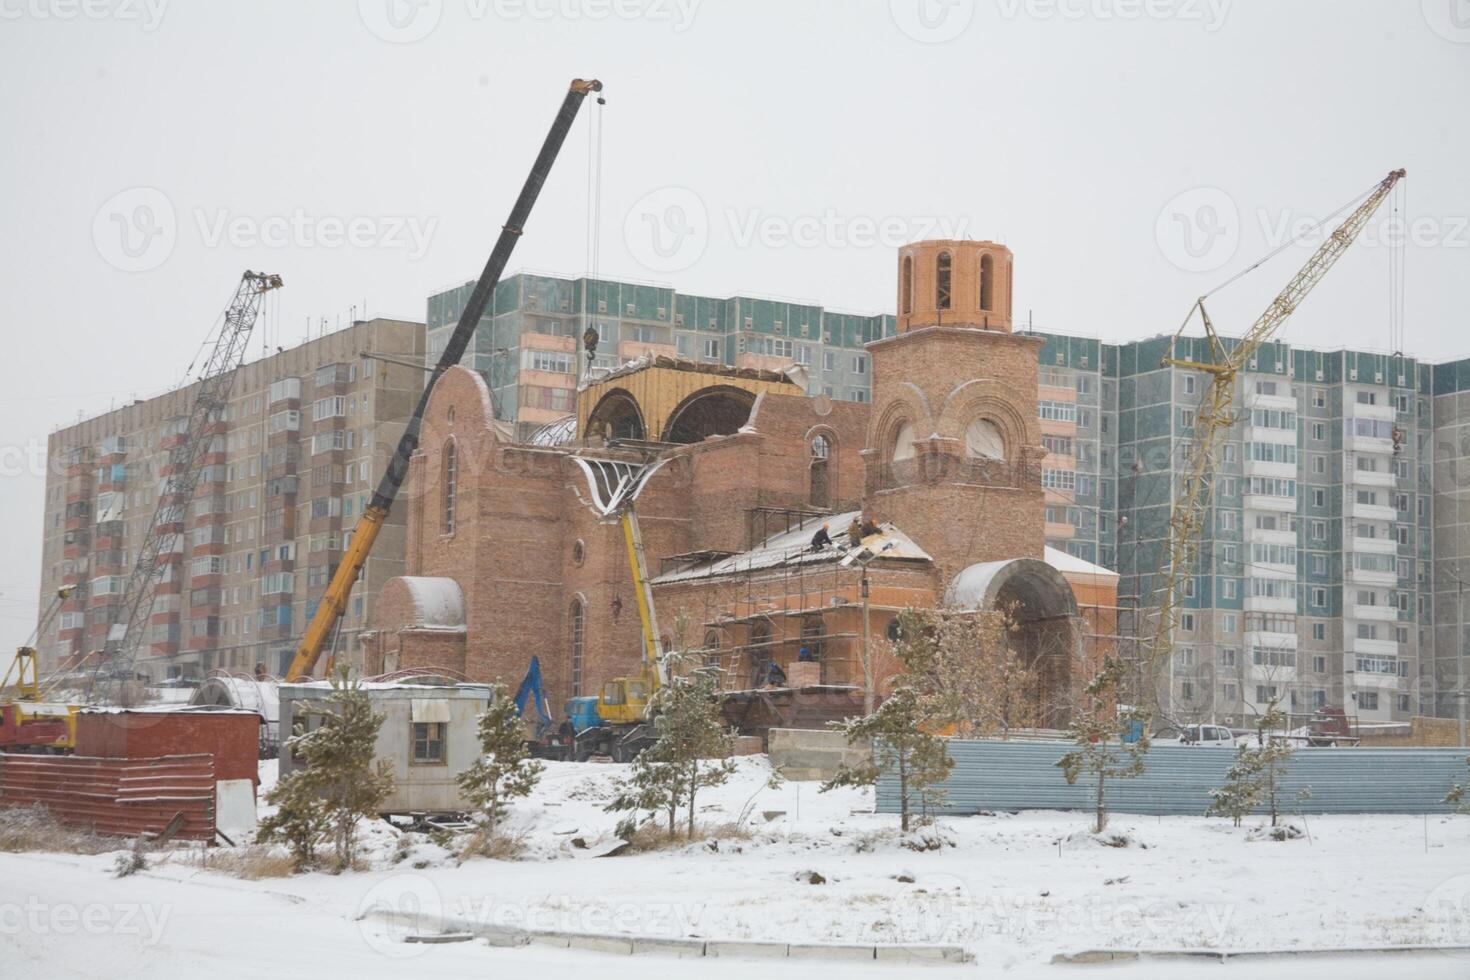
x,y
1257,467
1364,576
1383,613
1384,545
1257,535
1269,502
1277,604
1282,400
1384,512
1359,410
1373,647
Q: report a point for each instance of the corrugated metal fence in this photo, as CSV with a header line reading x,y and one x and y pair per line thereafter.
x,y
126,797
995,775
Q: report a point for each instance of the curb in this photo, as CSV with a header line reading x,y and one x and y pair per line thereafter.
x,y
425,929
1093,956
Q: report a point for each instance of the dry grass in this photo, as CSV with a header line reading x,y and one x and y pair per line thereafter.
x,y
252,862
502,845
34,829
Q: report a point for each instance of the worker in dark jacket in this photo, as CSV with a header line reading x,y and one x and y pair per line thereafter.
x,y
821,539
854,534
870,527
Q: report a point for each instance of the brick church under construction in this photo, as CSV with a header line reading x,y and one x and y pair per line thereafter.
x,y
507,558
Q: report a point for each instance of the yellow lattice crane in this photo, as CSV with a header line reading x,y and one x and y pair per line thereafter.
x,y
1217,413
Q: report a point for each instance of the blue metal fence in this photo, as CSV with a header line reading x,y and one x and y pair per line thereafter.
x,y
992,775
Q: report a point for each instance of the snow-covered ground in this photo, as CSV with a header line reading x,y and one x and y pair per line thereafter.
x,y
1014,888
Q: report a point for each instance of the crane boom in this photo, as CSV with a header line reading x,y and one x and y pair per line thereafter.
x,y
1216,414
187,448
334,601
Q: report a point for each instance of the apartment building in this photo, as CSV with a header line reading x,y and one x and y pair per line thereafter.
x,y
529,348
1314,580
289,468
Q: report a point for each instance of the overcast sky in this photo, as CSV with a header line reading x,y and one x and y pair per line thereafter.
x,y
1133,154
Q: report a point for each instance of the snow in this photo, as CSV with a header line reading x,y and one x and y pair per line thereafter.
x,y
1015,889
437,602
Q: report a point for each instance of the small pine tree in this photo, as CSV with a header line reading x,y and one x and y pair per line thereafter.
x,y
1460,795
340,783
504,769
1257,773
900,746
1111,743
691,753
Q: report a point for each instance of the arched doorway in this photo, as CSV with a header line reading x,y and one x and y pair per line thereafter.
x,y
1048,629
617,416
714,411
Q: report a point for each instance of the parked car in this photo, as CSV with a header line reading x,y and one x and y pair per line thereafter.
x,y
1197,735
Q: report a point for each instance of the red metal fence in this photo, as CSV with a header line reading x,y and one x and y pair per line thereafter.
x,y
126,797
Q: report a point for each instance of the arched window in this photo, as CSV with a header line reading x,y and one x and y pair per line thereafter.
x,y
987,283
984,441
451,484
907,286
941,281
578,619
819,482
903,442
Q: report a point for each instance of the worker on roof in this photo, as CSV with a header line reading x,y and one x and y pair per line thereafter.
x,y
870,526
854,533
821,539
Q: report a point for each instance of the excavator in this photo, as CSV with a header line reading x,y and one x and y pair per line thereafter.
x,y
334,602
27,722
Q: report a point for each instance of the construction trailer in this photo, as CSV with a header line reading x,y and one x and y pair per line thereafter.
x,y
429,735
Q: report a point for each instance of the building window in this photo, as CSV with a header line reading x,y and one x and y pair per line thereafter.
x,y
942,281
451,484
428,743
907,287
1368,700
1319,598
819,494
987,283
578,627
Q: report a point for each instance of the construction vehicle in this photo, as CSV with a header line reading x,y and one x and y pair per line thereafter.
x,y
1215,416
334,601
28,723
188,448
617,722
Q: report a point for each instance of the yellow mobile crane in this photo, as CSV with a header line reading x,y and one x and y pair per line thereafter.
x,y
25,725
329,611
615,722
1217,413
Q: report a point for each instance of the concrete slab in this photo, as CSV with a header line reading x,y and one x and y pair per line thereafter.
x,y
923,954
682,948
824,951
601,944
751,950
